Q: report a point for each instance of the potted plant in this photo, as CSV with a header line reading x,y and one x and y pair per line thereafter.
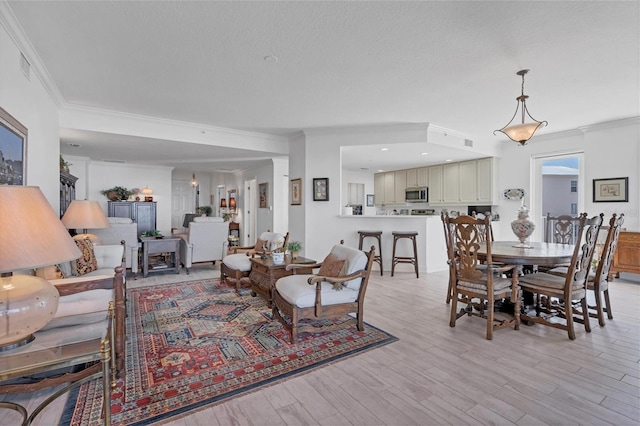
x,y
64,165
155,233
205,210
294,247
117,193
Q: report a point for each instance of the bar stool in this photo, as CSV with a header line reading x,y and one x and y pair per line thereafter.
x,y
377,235
404,259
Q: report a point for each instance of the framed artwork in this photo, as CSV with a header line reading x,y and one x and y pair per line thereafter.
x,y
611,190
296,192
263,193
13,150
320,189
370,200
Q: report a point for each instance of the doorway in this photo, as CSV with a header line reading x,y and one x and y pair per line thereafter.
x,y
182,201
558,187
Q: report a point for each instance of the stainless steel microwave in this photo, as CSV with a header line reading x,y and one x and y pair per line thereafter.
x,y
417,195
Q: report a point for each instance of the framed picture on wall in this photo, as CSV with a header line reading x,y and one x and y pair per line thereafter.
x,y
320,189
296,192
611,190
370,200
263,194
13,150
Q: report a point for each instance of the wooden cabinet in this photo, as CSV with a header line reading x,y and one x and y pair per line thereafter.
x,y
141,212
67,191
627,255
485,181
378,188
450,183
467,182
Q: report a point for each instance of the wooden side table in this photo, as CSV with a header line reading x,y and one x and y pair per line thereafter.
x,y
265,273
627,255
156,246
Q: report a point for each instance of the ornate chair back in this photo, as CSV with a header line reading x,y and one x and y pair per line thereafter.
x,y
561,229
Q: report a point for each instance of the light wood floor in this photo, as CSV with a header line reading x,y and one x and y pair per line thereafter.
x,y
440,375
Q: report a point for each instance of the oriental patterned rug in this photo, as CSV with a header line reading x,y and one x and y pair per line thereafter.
x,y
197,343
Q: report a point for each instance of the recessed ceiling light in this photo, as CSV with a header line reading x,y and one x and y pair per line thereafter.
x,y
364,168
271,58
380,170
74,145
448,160
384,149
424,153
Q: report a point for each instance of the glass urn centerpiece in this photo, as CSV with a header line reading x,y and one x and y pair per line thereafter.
x,y
523,227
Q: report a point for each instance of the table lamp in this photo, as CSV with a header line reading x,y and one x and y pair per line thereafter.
x,y
148,194
31,236
85,214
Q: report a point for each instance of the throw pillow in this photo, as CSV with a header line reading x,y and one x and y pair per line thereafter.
x,y
52,272
332,266
87,262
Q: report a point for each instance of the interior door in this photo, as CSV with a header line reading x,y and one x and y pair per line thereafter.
x,y
250,203
182,201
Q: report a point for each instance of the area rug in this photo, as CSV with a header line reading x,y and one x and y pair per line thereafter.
x,y
197,343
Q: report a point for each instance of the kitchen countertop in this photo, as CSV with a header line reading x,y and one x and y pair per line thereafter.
x,y
398,216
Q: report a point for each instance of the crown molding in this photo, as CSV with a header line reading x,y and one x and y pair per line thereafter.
x,y
10,23
629,121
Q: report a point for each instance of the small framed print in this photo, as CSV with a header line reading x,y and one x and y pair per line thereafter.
x,y
296,192
611,190
320,189
13,150
263,194
370,200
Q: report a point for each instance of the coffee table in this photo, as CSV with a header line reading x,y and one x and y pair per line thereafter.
x,y
156,246
265,273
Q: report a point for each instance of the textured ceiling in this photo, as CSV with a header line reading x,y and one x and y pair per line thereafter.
x,y
449,63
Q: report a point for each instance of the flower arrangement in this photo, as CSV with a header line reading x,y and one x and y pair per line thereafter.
x,y
205,210
294,246
117,193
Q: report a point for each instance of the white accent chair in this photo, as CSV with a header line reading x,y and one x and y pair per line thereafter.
x,y
122,229
205,241
235,267
316,297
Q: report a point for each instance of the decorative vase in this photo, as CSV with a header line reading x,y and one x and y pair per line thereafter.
x,y
294,254
278,258
523,227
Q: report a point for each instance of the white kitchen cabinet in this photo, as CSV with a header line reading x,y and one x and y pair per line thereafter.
x,y
412,178
417,178
485,180
355,194
467,182
389,188
450,183
435,185
400,182
378,188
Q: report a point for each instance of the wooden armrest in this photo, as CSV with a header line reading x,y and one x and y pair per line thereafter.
x,y
336,280
292,266
80,286
239,249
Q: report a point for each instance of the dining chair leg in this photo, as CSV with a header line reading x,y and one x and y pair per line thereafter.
x,y
585,315
607,304
449,290
568,313
454,310
490,319
599,312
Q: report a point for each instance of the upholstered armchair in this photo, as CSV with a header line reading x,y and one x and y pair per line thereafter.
x,y
335,292
236,266
121,229
205,241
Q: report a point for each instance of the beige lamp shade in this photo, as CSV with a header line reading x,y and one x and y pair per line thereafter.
x,y
147,191
85,214
31,236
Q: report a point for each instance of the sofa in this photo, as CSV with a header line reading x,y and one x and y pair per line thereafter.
x,y
121,229
205,241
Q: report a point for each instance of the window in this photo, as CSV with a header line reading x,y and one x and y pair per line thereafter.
x,y
574,207
574,186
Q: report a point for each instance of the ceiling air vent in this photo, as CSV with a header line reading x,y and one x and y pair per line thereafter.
x,y
113,161
468,142
25,66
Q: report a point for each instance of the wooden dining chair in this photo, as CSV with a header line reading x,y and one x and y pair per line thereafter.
x,y
474,281
598,279
571,289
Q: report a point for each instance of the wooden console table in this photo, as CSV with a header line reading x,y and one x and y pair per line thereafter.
x,y
156,246
627,255
265,273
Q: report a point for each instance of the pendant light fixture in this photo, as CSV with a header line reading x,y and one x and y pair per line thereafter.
x,y
194,182
521,132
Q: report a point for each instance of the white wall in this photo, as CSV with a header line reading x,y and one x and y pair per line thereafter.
x,y
610,150
29,102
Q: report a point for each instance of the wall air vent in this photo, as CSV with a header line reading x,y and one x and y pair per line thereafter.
x,y
25,66
113,161
468,142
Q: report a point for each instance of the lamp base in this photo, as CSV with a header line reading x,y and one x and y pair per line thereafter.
x,y
94,238
13,345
